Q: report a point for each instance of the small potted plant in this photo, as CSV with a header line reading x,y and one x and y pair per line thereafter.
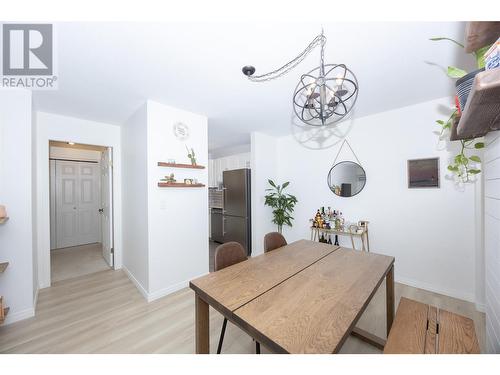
x,y
191,155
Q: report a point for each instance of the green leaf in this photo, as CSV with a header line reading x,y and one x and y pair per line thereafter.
x,y
444,38
454,72
453,168
479,145
271,182
285,185
475,158
440,122
474,171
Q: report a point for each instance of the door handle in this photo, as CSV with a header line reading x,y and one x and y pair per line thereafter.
x,y
101,210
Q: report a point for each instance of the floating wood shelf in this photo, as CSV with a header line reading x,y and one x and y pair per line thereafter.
x,y
179,184
482,110
3,266
3,219
172,165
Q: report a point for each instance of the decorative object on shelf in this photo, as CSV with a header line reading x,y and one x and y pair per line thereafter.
x,y
188,181
423,173
282,204
181,131
169,178
462,166
324,95
178,184
191,155
346,178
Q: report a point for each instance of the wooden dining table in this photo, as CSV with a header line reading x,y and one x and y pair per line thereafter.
x,y
305,297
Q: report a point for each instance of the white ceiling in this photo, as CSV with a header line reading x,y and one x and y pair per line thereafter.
x,y
106,70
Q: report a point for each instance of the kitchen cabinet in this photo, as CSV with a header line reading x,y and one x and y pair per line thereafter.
x,y
227,163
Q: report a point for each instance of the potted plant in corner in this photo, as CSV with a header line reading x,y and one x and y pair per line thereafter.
x,y
282,204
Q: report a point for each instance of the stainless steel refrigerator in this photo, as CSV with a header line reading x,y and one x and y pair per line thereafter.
x,y
236,221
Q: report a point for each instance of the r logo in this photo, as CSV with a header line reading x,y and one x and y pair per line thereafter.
x,y
27,49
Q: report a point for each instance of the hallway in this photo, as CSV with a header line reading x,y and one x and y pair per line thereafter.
x,y
76,261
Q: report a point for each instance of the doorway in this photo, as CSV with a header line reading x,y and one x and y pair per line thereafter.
x,y
81,219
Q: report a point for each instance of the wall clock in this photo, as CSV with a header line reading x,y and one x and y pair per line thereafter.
x,y
181,131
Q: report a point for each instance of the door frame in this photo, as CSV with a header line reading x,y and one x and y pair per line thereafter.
x,y
78,131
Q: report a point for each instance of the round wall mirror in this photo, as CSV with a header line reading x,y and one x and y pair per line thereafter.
x,y
346,179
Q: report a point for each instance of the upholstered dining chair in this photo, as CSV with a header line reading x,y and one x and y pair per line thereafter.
x,y
226,255
273,241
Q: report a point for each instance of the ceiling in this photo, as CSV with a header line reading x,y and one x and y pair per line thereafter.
x,y
107,70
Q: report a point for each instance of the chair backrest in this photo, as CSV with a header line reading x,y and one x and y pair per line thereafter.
x,y
228,254
273,241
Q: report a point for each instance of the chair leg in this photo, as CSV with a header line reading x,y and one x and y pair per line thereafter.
x,y
257,347
221,338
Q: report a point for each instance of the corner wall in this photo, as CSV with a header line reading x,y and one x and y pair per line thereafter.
x,y
16,236
264,159
135,200
177,217
431,232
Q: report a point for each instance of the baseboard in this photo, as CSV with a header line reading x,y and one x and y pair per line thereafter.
x,y
171,289
35,300
136,282
469,297
20,315
481,307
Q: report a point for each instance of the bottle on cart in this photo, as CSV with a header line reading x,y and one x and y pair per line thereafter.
x,y
336,240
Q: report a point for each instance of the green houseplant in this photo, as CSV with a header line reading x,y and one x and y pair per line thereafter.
x,y
282,204
462,165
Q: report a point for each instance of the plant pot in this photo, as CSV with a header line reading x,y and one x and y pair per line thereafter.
x,y
464,86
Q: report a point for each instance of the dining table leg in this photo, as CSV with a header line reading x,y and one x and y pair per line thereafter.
x,y
202,334
389,295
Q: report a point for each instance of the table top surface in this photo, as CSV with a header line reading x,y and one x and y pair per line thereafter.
x,y
302,298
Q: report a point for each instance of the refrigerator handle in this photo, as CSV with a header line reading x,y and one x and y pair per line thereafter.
x,y
223,226
223,202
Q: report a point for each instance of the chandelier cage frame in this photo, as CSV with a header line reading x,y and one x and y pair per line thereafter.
x,y
324,95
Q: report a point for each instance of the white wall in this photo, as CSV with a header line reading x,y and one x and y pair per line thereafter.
x,y
16,239
264,166
177,217
135,199
62,128
491,168
431,232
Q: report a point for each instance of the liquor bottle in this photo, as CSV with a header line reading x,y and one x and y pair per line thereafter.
x,y
322,239
342,221
336,240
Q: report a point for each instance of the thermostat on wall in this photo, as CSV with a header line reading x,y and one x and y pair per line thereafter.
x,y
181,131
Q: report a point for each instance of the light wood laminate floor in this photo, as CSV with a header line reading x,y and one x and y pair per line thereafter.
x,y
104,313
75,261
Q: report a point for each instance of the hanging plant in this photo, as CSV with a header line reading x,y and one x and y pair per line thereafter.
x,y
462,165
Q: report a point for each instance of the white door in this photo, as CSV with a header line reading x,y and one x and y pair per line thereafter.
x,y
77,203
106,209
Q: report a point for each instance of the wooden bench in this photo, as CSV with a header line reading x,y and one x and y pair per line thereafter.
x,y
423,329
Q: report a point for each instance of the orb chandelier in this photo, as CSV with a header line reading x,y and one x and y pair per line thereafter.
x,y
324,95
